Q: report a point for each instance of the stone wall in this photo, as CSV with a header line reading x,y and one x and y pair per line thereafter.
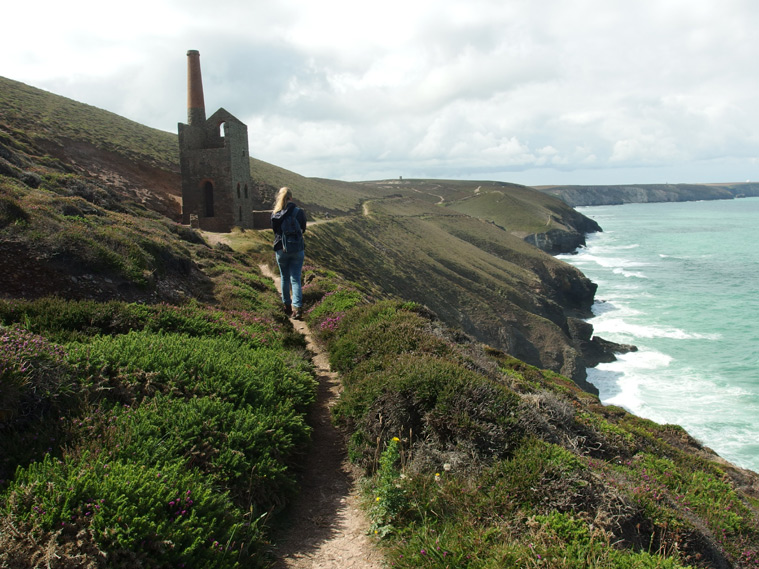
x,y
216,184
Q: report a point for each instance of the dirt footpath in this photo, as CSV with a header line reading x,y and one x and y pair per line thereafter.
x,y
326,528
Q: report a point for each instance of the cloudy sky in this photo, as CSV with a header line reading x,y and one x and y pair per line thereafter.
x,y
527,91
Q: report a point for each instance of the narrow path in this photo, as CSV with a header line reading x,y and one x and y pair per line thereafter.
x,y
326,528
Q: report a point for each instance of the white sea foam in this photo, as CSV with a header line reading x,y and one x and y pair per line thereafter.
x,y
617,317
646,331
620,382
612,262
629,274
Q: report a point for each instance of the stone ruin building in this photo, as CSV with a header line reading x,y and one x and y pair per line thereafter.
x,y
218,192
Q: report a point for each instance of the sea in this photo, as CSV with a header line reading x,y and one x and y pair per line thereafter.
x,y
681,282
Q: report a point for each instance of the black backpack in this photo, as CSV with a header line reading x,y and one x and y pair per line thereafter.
x,y
292,234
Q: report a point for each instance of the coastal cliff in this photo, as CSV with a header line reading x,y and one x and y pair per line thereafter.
x,y
577,196
474,252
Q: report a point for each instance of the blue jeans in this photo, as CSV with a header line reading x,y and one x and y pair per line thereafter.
x,y
290,267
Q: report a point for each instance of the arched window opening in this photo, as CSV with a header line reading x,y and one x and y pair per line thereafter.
x,y
208,198
246,191
222,129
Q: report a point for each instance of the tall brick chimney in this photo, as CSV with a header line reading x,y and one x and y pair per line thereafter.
x,y
196,107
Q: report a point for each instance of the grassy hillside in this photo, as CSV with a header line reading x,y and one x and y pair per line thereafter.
x,y
153,398
518,209
473,274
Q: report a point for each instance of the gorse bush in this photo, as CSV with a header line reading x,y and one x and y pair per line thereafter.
x,y
139,515
396,370
438,402
381,329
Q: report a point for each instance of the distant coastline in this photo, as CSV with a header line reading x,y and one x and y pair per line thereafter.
x,y
577,196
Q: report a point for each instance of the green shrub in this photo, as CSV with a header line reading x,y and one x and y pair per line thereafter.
x,y
66,321
432,400
539,478
333,302
223,367
382,329
138,514
250,451
446,520
28,364
664,488
35,386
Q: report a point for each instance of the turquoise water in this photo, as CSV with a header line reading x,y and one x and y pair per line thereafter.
x,y
681,282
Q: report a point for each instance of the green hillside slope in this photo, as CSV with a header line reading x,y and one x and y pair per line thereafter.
x,y
473,274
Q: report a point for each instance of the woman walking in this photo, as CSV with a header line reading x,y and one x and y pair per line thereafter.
x,y
289,222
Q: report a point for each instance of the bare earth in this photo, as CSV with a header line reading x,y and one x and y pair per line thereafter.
x,y
326,529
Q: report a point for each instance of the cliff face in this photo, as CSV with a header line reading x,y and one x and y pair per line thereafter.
x,y
615,195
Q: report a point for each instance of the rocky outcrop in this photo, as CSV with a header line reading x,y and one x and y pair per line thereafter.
x,y
557,241
569,233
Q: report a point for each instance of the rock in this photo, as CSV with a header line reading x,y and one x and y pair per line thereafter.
x,y
599,351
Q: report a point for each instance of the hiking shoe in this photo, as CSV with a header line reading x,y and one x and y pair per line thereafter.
x,y
288,309
298,313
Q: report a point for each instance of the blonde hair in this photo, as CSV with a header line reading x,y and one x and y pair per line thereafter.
x,y
283,196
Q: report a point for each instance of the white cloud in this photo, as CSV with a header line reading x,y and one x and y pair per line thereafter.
x,y
532,92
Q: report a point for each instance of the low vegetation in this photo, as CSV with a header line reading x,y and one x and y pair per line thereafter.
x,y
128,444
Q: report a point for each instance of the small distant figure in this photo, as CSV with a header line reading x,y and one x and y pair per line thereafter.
x,y
289,222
